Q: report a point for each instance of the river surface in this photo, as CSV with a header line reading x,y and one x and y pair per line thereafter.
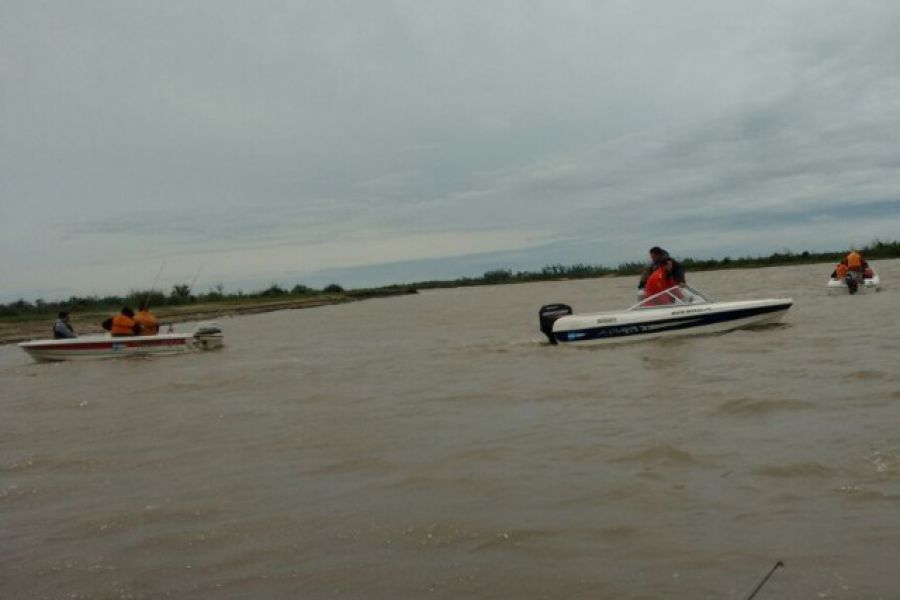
x,y
433,446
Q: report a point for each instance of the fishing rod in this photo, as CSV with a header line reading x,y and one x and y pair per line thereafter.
x,y
194,280
764,580
153,285
187,294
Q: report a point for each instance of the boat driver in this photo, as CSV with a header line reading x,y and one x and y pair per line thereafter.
x,y
657,257
660,280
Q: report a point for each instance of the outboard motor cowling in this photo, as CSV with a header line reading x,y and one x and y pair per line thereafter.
x,y
208,336
207,329
548,315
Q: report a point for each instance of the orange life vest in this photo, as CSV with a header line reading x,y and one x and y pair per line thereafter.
x,y
149,324
854,261
841,271
659,281
122,325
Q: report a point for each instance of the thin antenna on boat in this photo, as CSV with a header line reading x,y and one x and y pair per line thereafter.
x,y
764,580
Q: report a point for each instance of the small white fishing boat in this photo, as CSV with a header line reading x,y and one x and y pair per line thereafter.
x,y
675,311
851,286
207,336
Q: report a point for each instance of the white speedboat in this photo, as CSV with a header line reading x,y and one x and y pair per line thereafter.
x,y
675,311
207,336
846,285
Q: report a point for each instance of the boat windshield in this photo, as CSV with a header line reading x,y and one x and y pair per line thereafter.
x,y
674,296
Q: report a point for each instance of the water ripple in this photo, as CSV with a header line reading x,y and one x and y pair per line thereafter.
x,y
661,454
756,407
795,470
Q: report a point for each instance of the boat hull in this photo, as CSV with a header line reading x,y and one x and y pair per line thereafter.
x,y
618,327
839,286
94,348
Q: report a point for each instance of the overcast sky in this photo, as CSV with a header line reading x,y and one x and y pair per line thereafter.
x,y
374,142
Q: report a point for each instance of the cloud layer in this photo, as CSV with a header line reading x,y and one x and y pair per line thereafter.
x,y
288,142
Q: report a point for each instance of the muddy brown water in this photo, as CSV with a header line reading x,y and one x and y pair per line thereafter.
x,y
433,446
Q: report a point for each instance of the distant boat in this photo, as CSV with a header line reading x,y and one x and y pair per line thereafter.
x,y
206,336
675,311
869,284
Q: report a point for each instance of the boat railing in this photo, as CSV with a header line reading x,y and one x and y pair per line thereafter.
x,y
678,295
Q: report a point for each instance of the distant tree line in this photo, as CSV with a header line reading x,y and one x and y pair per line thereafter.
x,y
181,293
876,250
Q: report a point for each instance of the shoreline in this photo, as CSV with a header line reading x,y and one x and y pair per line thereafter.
x,y
88,323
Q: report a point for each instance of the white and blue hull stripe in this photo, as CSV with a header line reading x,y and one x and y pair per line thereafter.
x,y
713,321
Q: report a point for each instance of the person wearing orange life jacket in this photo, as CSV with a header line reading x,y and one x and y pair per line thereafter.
x,y
661,279
856,266
123,324
149,324
855,262
657,257
841,270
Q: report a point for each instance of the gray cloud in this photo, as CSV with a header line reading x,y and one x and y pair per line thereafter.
x,y
131,131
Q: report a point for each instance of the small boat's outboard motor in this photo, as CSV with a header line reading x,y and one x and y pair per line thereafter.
x,y
208,336
548,315
852,283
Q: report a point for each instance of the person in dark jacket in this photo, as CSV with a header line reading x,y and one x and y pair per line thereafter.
x,y
62,329
658,256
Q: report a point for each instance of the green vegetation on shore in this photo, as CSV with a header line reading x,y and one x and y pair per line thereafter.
x,y
876,250
181,295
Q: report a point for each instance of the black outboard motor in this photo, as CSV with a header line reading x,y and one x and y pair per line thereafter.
x,y
548,315
208,336
852,284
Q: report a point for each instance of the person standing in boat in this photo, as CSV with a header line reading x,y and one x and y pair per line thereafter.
x,y
856,265
123,324
661,279
147,321
657,257
62,329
